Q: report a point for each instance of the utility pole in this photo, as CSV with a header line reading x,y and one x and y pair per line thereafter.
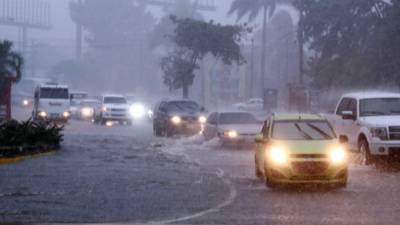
x,y
300,34
78,40
263,56
252,75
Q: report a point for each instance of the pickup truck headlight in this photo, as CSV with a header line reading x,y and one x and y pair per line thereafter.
x,y
379,132
230,133
176,120
202,119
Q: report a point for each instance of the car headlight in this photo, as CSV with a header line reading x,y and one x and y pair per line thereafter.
x,y
42,114
150,113
104,109
87,112
278,155
202,119
338,155
379,132
176,120
25,102
66,114
231,133
137,111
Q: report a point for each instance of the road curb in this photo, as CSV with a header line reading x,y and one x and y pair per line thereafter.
x,y
11,160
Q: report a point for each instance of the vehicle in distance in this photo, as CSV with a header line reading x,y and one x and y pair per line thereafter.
x,y
114,109
371,121
178,117
87,109
232,127
75,98
300,148
51,102
253,104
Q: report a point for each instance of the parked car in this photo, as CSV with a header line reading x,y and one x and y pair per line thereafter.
x,y
178,117
300,148
114,108
371,121
232,127
253,104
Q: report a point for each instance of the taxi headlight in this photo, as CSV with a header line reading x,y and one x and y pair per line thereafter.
x,y
202,119
87,112
176,120
66,114
231,133
338,155
278,155
42,114
137,111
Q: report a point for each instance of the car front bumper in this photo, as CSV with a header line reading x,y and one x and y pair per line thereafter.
x,y
307,171
384,148
186,128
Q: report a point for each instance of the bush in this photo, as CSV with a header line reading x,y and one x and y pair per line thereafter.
x,y
28,137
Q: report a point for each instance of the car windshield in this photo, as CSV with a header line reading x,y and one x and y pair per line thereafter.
x,y
302,130
237,118
379,106
54,93
89,103
114,100
183,106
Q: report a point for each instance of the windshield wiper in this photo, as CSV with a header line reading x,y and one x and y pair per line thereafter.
x,y
305,135
327,136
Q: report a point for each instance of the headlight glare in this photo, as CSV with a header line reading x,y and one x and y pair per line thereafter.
x,y
231,133
278,155
42,114
176,120
25,102
66,114
338,155
137,111
202,119
87,112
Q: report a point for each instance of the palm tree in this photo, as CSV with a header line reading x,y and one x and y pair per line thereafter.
x,y
11,63
253,8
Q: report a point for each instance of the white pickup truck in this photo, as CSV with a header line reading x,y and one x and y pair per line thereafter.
x,y
371,121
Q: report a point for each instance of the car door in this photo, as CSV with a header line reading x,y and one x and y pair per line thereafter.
x,y
338,122
351,126
211,127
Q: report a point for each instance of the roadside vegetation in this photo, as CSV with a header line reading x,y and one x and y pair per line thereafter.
x,y
28,138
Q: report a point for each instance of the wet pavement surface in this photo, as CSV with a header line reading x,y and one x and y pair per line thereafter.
x,y
122,175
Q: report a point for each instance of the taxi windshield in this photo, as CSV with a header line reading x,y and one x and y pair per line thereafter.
x,y
302,130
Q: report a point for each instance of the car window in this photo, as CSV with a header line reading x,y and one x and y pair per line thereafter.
x,y
352,106
237,118
343,106
114,100
302,130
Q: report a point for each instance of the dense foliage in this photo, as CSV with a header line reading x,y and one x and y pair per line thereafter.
x,y
29,135
354,43
11,63
194,39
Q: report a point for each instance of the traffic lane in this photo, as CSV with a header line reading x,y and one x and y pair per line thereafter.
x,y
370,198
105,174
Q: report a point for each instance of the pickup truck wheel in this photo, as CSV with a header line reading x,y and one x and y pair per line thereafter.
x,y
366,158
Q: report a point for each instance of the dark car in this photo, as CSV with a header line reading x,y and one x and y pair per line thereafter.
x,y
178,117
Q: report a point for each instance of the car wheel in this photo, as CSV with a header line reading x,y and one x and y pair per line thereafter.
x,y
365,156
269,183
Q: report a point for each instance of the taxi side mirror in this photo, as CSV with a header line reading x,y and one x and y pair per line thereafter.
x,y
260,139
343,139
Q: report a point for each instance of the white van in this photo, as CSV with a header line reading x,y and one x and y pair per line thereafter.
x,y
51,101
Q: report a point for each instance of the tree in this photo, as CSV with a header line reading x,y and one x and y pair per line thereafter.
x,y
11,63
194,39
355,43
253,8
